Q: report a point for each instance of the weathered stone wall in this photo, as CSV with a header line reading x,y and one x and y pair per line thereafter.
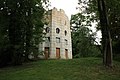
x,y
58,19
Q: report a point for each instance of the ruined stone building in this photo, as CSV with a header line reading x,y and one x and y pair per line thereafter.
x,y
57,44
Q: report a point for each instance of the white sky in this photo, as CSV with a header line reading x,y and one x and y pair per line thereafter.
x,y
69,6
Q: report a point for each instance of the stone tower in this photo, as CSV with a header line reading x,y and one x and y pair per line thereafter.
x,y
57,43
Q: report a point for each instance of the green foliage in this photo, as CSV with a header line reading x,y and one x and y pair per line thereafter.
x,y
113,8
21,27
75,69
83,38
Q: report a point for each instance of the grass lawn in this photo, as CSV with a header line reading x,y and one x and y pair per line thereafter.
x,y
75,69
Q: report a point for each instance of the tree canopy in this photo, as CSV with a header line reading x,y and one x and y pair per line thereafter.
x,y
83,39
21,24
112,14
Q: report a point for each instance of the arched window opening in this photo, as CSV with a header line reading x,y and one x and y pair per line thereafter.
x,y
47,29
57,30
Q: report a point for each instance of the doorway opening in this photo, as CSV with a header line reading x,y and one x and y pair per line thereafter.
x,y
57,53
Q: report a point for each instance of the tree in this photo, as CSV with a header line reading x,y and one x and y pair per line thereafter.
x,y
19,23
83,39
94,8
113,8
112,11
106,37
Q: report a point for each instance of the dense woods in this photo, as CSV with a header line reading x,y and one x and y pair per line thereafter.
x,y
83,38
106,14
20,29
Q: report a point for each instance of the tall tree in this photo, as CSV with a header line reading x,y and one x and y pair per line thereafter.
x,y
83,39
19,20
113,8
106,37
95,8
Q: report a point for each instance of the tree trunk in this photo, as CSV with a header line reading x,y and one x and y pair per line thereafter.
x,y
106,37
29,36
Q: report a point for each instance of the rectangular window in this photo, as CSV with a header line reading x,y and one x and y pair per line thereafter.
x,y
66,42
47,39
57,40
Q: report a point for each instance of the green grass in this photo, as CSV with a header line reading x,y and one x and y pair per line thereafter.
x,y
75,69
